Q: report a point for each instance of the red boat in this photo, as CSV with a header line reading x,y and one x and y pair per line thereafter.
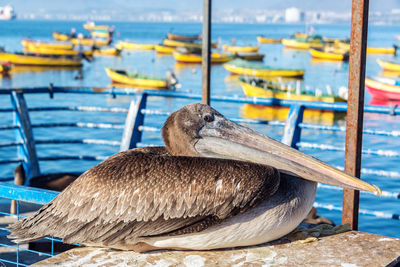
x,y
383,88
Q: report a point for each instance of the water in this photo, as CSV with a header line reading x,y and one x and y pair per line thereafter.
x,y
317,75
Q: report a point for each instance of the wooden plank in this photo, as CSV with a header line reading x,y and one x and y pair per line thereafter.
x,y
206,52
131,135
24,134
346,249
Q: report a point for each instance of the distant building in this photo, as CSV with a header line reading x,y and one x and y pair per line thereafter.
x,y
7,13
294,15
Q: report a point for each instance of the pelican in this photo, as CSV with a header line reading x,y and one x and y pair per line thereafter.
x,y
215,184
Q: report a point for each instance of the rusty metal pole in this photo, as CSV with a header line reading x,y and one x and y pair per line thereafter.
x,y
355,107
206,48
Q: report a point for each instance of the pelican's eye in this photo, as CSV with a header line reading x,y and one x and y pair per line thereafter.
x,y
208,118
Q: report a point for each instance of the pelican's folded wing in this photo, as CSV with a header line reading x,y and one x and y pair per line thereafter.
x,y
134,194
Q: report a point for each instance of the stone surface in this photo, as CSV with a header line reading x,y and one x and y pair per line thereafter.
x,y
349,249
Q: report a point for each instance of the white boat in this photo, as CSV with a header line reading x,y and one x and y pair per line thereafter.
x,y
7,13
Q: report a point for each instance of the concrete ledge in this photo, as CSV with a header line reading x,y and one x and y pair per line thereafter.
x,y
349,249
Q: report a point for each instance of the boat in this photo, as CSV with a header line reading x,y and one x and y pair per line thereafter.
x,y
61,52
58,36
90,41
163,49
131,45
7,13
279,113
216,58
240,49
175,43
101,33
327,55
90,25
383,88
388,65
243,67
250,56
48,45
106,51
299,43
265,40
134,79
178,37
382,50
40,60
264,88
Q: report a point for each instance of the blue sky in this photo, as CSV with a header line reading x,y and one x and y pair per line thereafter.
x,y
72,5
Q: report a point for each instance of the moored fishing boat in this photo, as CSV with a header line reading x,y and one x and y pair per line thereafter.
x,y
243,67
216,58
240,49
279,113
268,89
250,56
58,36
90,25
328,55
265,40
179,37
107,51
42,60
382,50
298,43
48,45
163,49
388,65
50,51
132,45
139,80
175,43
90,41
383,88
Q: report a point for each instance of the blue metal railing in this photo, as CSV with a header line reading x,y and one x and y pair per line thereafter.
x,y
134,128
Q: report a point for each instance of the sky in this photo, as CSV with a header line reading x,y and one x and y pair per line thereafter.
x,y
27,6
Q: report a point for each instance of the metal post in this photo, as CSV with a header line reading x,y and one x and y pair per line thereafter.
x,y
206,48
355,107
292,131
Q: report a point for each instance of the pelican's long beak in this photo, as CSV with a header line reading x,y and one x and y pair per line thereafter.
x,y
225,139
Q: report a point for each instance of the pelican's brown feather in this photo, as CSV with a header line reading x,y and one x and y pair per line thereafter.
x,y
147,192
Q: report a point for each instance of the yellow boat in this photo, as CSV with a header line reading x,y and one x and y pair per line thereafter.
x,y
268,89
240,49
36,68
48,45
30,48
163,49
142,81
91,25
318,53
265,40
43,60
299,44
61,36
216,58
382,50
178,37
90,42
129,45
175,43
107,51
388,66
273,113
100,33
258,70
300,35
250,56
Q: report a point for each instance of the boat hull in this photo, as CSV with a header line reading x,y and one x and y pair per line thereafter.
x,y
265,40
61,36
178,37
294,44
174,43
328,55
142,83
34,60
381,90
197,59
162,49
389,66
47,45
134,46
263,72
240,49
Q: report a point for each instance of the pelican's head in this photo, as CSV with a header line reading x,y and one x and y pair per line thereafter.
x,y
199,130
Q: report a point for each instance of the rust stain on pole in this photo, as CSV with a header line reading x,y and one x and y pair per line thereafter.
x,y
206,47
355,107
